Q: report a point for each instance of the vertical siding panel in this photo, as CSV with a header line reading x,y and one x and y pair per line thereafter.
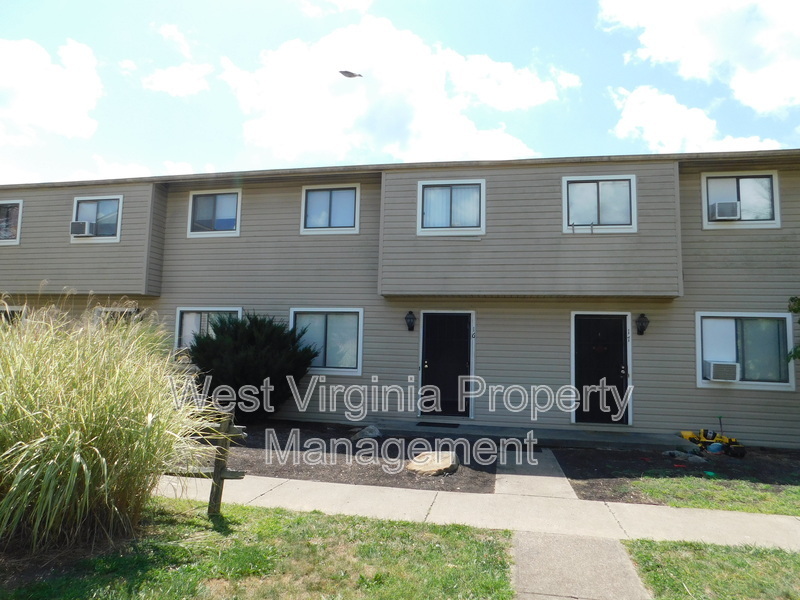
x,y
155,250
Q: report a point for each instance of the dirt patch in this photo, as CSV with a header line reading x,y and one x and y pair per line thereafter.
x,y
333,467
606,475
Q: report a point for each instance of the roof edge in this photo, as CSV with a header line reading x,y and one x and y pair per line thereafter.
x,y
297,172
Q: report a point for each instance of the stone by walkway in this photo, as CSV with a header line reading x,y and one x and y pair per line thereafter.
x,y
564,547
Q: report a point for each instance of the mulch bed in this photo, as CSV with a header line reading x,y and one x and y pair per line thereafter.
x,y
595,474
605,475
252,457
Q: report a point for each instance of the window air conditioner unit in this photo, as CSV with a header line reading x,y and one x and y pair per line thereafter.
x,y
720,371
725,211
81,228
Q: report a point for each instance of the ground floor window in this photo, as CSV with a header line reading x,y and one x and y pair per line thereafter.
x,y
11,314
336,333
744,350
191,321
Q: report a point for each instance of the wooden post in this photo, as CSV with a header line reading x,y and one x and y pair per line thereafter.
x,y
219,435
222,444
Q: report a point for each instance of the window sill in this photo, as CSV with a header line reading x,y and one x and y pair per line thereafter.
x,y
602,229
451,232
94,240
212,234
332,371
329,231
746,385
730,225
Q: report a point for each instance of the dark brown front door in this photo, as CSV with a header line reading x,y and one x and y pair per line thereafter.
x,y
446,351
601,358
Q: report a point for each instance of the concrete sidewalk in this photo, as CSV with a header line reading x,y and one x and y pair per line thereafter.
x,y
564,547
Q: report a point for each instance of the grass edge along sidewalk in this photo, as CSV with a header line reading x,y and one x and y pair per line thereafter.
x,y
693,570
275,553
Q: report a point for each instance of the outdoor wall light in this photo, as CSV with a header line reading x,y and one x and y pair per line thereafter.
x,y
410,320
641,324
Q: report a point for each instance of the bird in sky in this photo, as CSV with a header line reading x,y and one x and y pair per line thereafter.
x,y
350,74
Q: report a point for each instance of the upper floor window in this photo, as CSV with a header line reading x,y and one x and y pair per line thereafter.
x,y
748,200
336,333
744,350
451,207
191,321
96,218
330,209
10,218
214,213
604,204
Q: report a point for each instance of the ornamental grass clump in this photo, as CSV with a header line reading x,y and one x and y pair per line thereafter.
x,y
88,423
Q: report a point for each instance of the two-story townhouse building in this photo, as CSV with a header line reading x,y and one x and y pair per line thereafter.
x,y
628,293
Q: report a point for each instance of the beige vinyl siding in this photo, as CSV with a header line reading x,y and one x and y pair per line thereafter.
x,y
270,267
522,279
737,270
527,343
75,305
524,250
46,260
155,248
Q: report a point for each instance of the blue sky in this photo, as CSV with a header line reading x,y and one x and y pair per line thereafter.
x,y
98,89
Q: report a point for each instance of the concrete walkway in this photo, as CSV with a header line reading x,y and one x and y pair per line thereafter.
x,y
564,547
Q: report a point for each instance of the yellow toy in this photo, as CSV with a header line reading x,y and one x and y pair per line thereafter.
x,y
705,437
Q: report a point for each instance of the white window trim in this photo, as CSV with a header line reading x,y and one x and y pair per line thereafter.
x,y
742,385
332,370
775,223
14,242
180,309
444,231
330,230
207,234
105,239
567,228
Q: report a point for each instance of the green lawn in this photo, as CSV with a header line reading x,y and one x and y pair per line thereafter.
x,y
694,491
254,553
694,571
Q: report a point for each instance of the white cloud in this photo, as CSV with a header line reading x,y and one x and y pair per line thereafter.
x,y
410,104
11,172
321,8
173,34
104,169
665,125
751,45
564,79
769,89
183,80
501,85
40,96
127,66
